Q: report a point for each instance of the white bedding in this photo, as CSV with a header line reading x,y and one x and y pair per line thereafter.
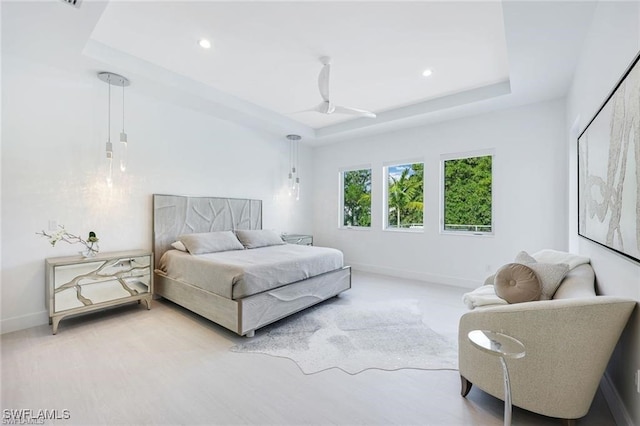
x,y
240,273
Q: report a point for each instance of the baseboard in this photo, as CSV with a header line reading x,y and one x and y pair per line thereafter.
x,y
8,325
414,275
616,406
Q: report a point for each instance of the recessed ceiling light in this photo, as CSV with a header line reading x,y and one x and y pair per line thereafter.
x,y
204,43
427,72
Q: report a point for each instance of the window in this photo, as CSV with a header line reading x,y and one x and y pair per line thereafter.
x,y
356,198
467,205
404,196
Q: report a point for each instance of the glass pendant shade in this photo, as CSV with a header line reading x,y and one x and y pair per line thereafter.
x,y
123,155
293,182
109,150
117,80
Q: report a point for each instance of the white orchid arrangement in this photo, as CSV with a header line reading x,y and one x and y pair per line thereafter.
x,y
91,243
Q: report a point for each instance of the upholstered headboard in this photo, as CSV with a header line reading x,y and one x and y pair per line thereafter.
x,y
175,215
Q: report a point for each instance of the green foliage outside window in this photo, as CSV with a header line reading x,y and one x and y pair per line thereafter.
x,y
405,195
467,194
357,198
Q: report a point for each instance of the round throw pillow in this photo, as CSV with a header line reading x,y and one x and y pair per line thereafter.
x,y
517,283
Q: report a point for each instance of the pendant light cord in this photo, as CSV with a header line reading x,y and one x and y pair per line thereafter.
x,y
123,108
109,113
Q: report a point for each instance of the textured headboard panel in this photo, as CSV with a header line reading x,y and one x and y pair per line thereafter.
x,y
175,215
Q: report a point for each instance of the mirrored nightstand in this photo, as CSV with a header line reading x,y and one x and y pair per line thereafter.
x,y
76,284
300,239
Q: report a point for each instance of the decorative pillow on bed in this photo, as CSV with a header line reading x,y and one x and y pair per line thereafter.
x,y
258,238
517,283
550,275
211,242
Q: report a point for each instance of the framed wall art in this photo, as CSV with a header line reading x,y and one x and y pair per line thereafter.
x,y
609,170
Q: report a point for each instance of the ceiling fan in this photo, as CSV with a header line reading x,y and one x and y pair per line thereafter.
x,y
328,107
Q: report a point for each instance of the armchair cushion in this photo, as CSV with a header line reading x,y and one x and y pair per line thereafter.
x,y
579,282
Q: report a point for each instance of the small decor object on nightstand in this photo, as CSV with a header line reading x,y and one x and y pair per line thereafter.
x,y
300,239
91,249
91,243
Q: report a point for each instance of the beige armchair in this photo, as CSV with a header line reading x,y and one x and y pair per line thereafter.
x,y
568,342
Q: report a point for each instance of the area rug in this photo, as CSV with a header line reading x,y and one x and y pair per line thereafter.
x,y
355,337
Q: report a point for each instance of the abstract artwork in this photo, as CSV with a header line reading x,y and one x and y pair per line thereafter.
x,y
608,170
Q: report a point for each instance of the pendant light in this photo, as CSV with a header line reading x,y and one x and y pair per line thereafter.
x,y
294,172
116,80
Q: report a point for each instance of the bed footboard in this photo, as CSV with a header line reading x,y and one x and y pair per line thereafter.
x,y
261,309
246,315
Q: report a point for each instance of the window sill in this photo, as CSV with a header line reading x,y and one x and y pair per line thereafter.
x,y
405,230
468,233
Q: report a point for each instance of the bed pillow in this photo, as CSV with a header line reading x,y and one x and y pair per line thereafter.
x,y
211,242
259,238
550,275
178,245
517,283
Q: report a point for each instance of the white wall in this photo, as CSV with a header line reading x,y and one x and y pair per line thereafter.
x,y
530,211
53,142
613,41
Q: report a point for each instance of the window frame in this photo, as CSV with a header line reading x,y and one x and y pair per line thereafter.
x,y
341,172
385,195
460,156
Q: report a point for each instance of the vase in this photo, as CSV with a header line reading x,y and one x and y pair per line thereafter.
x,y
91,250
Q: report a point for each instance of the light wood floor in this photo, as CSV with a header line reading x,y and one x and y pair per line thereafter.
x,y
168,366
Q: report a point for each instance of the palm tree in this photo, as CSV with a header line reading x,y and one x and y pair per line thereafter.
x,y
405,193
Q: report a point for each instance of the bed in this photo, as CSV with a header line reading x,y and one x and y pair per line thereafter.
x,y
267,283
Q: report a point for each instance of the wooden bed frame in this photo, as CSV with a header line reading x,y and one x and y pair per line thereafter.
x,y
175,215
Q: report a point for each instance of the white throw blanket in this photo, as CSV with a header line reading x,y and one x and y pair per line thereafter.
x,y
481,296
554,256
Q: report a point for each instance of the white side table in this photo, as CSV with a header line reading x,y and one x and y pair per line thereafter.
x,y
503,346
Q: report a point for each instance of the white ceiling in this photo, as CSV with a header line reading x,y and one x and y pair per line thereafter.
x,y
264,63
268,53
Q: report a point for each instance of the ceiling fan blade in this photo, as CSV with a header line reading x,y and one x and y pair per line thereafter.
x,y
353,111
323,81
321,107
